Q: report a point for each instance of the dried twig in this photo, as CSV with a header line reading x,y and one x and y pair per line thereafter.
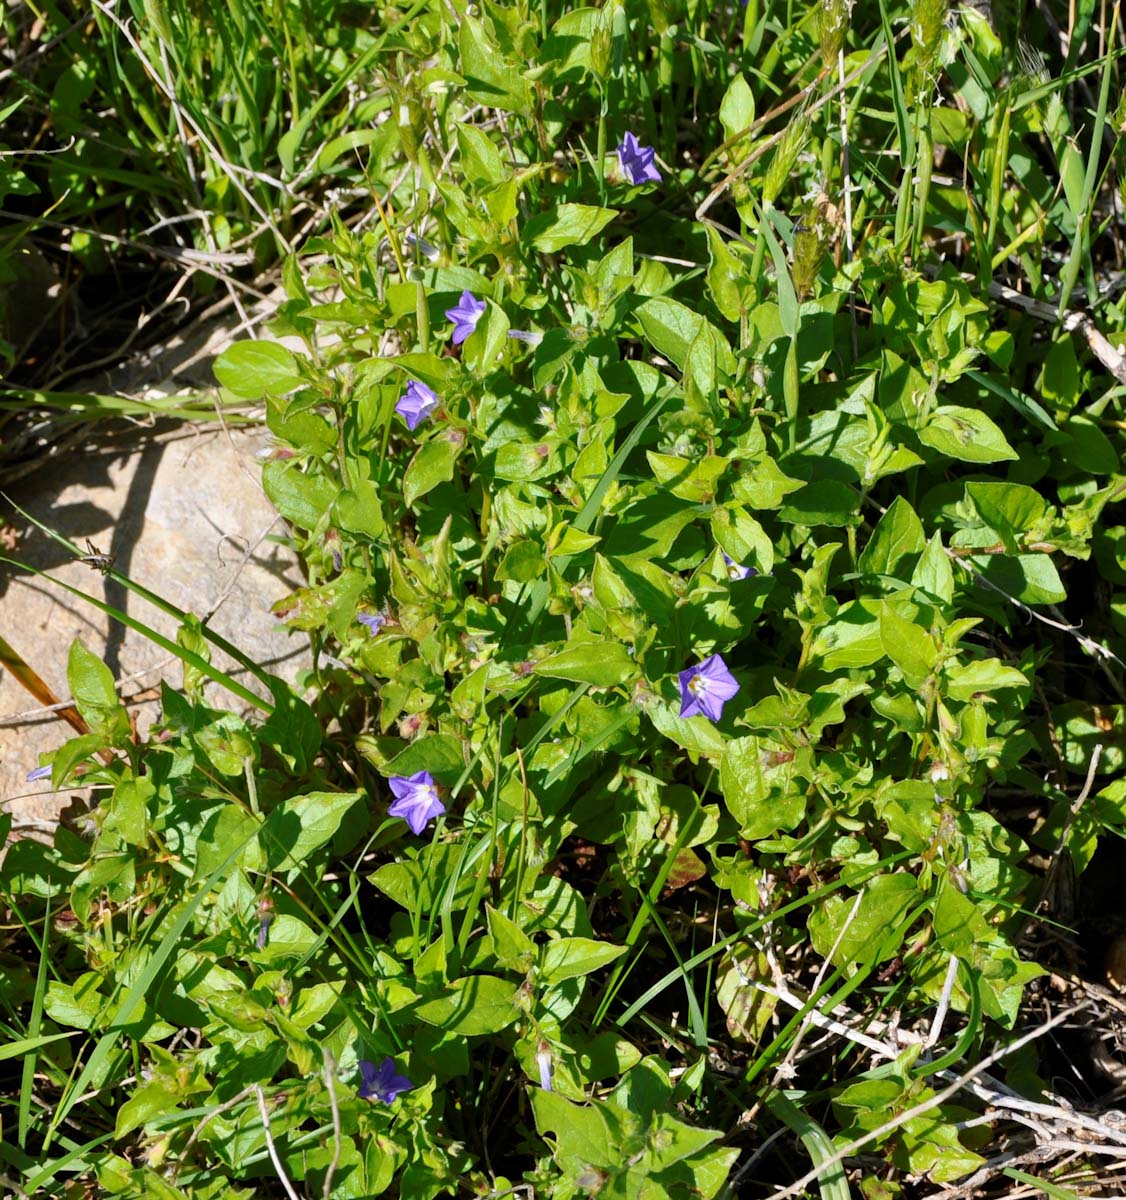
x,y
226,1106
1109,355
943,1004
273,1150
926,1106
329,1073
1061,845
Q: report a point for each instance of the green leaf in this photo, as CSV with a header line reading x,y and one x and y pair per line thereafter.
x,y
513,948
895,544
1030,578
89,679
727,279
77,1004
823,502
765,485
933,573
523,562
697,735
966,434
852,639
305,430
439,753
737,108
1011,510
570,958
482,349
303,824
686,339
480,159
357,510
694,480
760,789
985,675
474,1005
300,498
909,646
292,728
432,464
568,225
602,664
1087,448
129,806
586,1134
152,1100
255,369
864,932
490,79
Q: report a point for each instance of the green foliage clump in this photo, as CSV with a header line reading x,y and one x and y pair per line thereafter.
x,y
731,408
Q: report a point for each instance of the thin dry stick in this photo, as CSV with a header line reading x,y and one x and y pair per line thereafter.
x,y
818,1018
208,233
1103,350
755,155
786,1066
1089,644
197,1132
926,1106
228,169
846,181
943,1004
1061,845
337,1139
250,551
274,1158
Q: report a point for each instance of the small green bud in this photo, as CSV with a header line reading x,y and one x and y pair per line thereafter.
x,y
600,45
785,156
832,24
659,17
928,22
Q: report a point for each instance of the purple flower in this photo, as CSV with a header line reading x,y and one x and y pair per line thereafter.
x,y
416,403
737,570
374,621
382,1083
529,337
465,315
424,247
39,773
637,161
416,800
706,688
543,1062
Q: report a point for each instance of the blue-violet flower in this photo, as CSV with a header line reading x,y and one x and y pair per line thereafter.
x,y
39,773
416,800
424,247
637,161
530,337
543,1062
737,570
382,1083
706,688
416,403
373,621
465,315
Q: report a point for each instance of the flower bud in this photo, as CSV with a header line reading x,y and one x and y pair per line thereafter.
x,y
785,156
832,24
928,20
600,52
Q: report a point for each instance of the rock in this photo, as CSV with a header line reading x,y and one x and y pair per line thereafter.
x,y
183,515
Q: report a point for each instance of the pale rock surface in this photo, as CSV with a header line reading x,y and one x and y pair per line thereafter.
x,y
183,513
